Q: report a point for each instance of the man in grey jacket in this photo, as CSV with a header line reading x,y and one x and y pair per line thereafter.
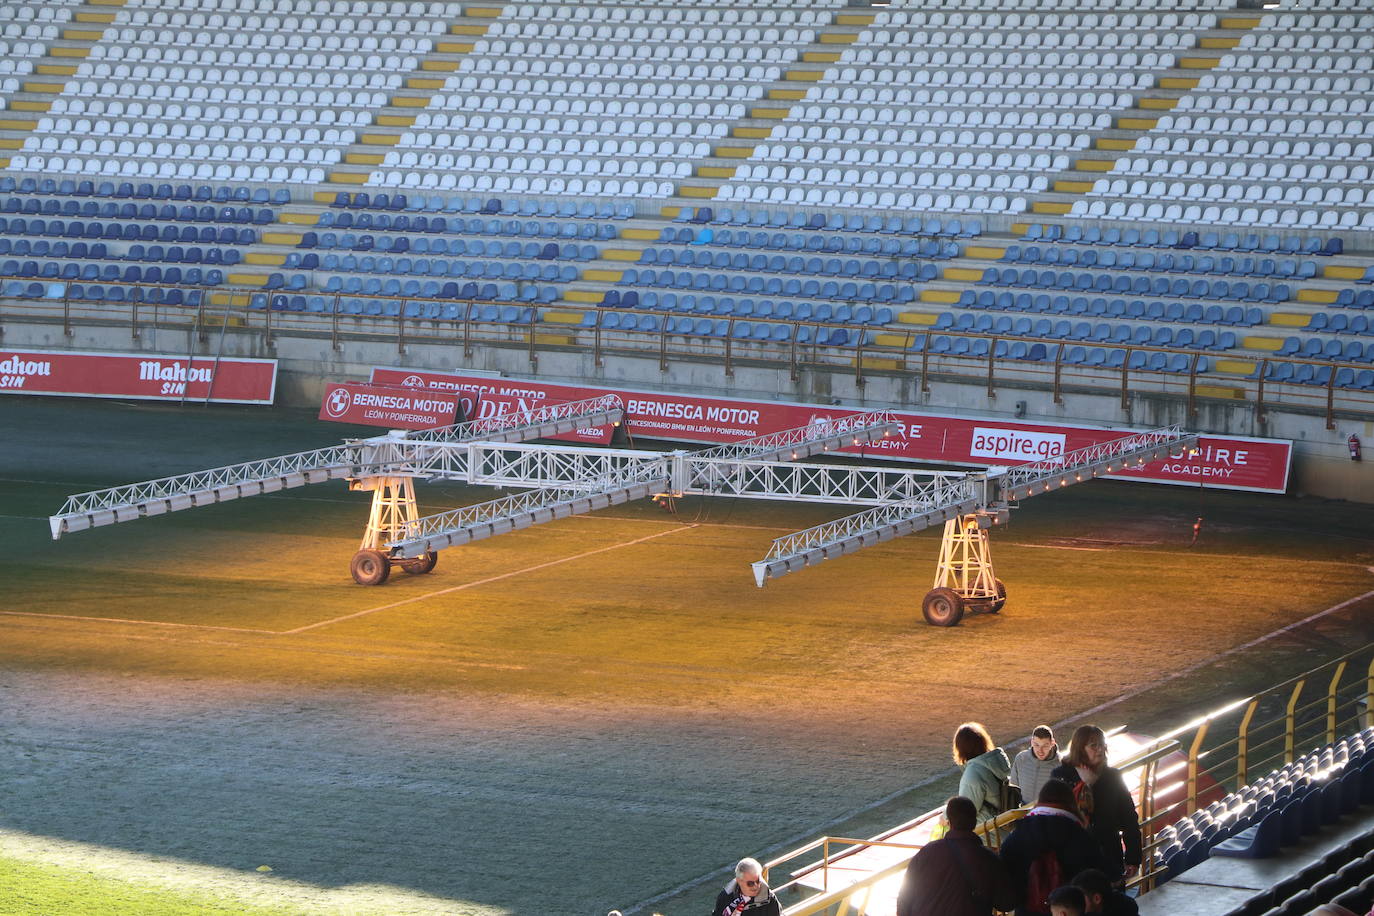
x,y
1032,767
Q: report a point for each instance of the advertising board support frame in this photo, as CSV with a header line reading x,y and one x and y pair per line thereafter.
x,y
529,333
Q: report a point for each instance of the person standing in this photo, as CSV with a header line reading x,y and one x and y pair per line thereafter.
x,y
1031,768
955,875
1046,848
747,894
1105,801
986,768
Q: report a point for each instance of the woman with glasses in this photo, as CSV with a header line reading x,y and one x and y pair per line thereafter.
x,y
1104,800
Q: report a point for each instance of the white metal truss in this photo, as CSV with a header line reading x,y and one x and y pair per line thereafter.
x,y
393,509
938,501
203,488
1026,480
525,465
609,485
976,492
522,510
380,456
965,563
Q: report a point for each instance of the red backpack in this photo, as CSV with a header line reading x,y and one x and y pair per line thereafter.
x,y
1045,877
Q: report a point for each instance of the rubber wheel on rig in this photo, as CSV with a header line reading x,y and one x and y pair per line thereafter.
x,y
420,565
370,567
1001,599
943,607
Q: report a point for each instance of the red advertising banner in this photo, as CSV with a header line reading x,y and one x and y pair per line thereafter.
x,y
1229,462
394,408
484,397
138,376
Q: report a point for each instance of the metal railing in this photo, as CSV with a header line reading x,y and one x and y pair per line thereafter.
x,y
1172,775
905,351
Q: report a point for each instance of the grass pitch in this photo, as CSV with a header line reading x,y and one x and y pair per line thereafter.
x,y
581,715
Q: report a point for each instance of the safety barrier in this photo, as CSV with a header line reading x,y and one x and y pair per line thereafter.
x,y
1172,776
809,345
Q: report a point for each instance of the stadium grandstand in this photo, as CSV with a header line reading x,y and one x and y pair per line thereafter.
x,y
1163,198
1096,213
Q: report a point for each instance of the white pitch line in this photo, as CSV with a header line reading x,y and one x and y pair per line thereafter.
x,y
950,771
146,623
490,579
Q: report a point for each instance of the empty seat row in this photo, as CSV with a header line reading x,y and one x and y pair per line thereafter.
x,y
1113,307
778,264
781,310
848,242
716,15
548,271
488,49
476,226
1287,268
114,273
784,219
1258,217
1144,20
564,209
1137,284
714,281
1101,332
1202,167
1184,239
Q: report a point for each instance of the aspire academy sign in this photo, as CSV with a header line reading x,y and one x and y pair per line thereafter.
x,y
138,376
1230,462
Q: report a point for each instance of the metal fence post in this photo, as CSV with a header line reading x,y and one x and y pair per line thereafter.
x,y
1243,744
1290,720
1331,702
1193,754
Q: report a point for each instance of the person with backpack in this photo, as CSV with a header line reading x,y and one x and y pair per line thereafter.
x,y
955,875
1046,848
986,768
1104,800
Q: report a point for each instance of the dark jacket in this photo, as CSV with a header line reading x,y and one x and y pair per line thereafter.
x,y
1112,818
1038,833
730,902
955,876
1118,904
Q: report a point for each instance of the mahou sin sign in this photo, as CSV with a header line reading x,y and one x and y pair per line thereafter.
x,y
138,376
1230,462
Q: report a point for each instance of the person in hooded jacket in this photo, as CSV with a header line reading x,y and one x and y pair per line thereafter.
x,y
1052,826
1105,802
747,894
985,768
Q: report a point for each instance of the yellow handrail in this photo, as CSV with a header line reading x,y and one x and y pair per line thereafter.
x,y
1207,768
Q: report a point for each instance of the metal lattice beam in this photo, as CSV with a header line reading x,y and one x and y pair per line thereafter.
x,y
203,488
1025,480
944,500
403,454
522,510
940,500
612,485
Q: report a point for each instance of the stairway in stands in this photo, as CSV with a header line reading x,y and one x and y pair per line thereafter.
x,y
49,78
711,173
365,156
